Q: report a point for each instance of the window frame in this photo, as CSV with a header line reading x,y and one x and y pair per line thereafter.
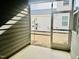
x,y
64,20
66,2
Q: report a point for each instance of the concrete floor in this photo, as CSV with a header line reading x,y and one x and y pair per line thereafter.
x,y
36,52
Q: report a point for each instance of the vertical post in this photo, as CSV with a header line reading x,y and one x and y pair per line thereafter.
x,y
51,38
29,13
71,24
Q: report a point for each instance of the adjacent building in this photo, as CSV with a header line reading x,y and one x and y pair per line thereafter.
x,y
42,15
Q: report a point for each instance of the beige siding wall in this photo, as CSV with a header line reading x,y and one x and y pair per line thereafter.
x,y
74,45
15,37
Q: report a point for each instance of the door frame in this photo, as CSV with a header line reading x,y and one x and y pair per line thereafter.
x,y
70,23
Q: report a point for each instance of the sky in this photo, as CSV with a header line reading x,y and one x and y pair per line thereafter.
x,y
41,6
46,5
77,3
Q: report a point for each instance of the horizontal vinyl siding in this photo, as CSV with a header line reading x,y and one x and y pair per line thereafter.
x,y
15,37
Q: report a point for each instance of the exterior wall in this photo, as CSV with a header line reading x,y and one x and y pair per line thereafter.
x,y
75,37
43,21
60,7
16,35
57,21
74,45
